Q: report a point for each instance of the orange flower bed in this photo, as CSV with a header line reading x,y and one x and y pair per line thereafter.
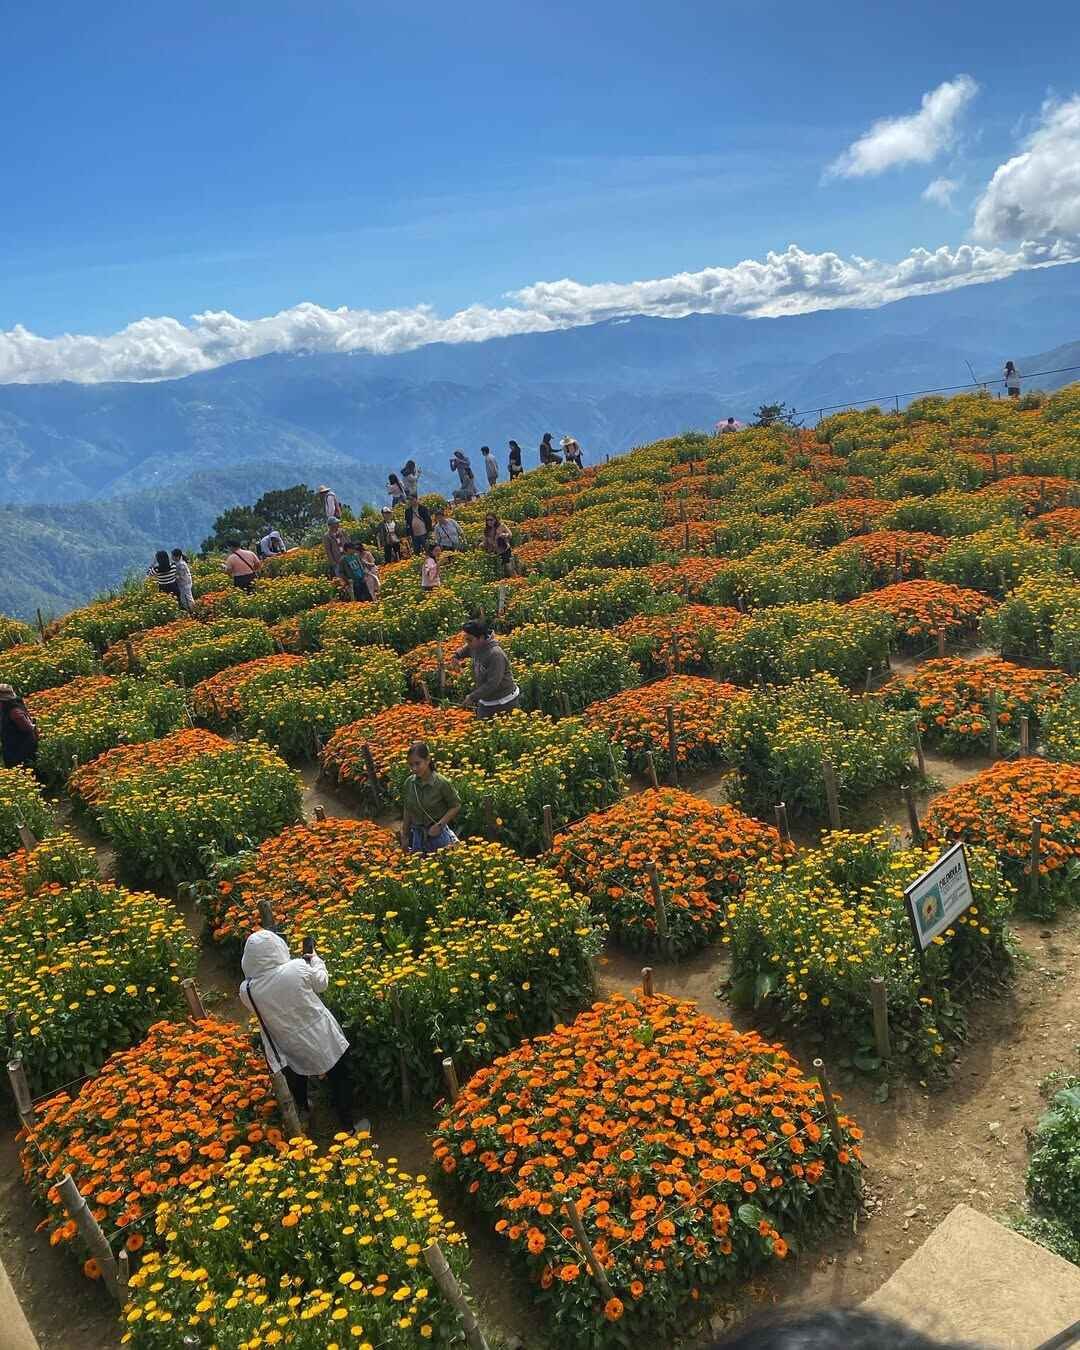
x,y
217,699
880,548
166,1114
1057,527
388,734
422,663
702,536
301,869
997,808
678,641
691,577
93,783
544,527
693,1153
1034,493
637,719
115,658
534,551
920,608
702,853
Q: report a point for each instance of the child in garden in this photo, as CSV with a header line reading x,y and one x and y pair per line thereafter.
x,y
430,579
429,805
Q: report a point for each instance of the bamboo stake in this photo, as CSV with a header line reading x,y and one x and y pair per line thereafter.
x,y
832,793
549,827
880,1007
20,1088
1025,736
941,643
647,982
913,815
90,1232
123,1267
129,652
500,609
450,1074
395,1013
441,660
27,838
320,813
425,692
661,909
673,745
993,715
780,811
194,1000
286,1103
451,1291
650,768
372,774
41,626
686,536
830,1105
266,916
919,753
571,1212
1036,850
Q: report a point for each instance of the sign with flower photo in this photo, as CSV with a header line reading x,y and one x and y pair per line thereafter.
x,y
937,899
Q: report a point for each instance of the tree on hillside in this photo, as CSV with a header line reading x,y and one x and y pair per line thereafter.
x,y
238,522
291,510
776,414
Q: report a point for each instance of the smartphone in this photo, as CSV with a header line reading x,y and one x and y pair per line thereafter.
x,y
309,946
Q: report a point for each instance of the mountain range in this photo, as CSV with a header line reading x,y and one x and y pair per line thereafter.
x,y
94,478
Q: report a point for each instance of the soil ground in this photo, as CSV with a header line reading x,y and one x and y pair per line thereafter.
x,y
925,1150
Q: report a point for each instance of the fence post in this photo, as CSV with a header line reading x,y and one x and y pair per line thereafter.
x,y
372,774
879,1004
491,828
549,827
440,658
993,716
941,643
650,768
395,1013
1025,736
832,793
780,811
41,626
90,1232
647,989
673,744
500,607
451,1291
20,1088
320,813
425,692
830,1105
661,909
266,916
1036,852
450,1074
194,1000
286,1102
27,838
571,1212
129,652
913,815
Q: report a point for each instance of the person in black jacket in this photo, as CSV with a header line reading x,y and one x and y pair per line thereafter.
x,y
514,464
18,734
417,525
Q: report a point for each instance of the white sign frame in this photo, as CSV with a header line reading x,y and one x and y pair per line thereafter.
x,y
936,899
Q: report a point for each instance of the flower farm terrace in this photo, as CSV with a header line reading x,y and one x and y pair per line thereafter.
x,y
757,619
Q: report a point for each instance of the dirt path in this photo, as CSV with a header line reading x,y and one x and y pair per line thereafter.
x,y
925,1151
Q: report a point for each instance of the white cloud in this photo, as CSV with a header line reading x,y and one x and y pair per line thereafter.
x,y
917,138
1036,194
940,192
790,282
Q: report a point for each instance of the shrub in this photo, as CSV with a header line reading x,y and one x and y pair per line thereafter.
x,y
788,642
187,652
1054,1174
637,720
1032,494
779,739
165,805
610,545
107,621
113,956
422,664
695,1155
591,597
388,735
43,665
702,853
996,809
217,700
952,699
920,608
1061,728
1038,619
93,713
807,939
882,550
684,640
60,859
992,560
160,1117
1056,527
14,633
401,626
316,1250
697,580
784,572
563,670
21,803
270,599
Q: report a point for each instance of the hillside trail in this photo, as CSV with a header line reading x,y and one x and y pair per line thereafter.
x,y
925,1150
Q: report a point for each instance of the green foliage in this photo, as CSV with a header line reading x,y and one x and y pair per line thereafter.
x,y
560,670
993,560
43,665
1040,618
21,803
788,642
1054,1173
589,597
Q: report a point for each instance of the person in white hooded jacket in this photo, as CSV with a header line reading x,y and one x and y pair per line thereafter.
x,y
300,1034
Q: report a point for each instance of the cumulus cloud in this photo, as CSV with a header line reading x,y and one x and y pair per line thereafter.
x,y
789,282
1036,194
940,192
917,138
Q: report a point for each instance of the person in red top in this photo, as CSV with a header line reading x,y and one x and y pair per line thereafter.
x,y
242,565
18,734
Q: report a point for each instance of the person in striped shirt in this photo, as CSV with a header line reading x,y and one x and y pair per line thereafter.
x,y
162,572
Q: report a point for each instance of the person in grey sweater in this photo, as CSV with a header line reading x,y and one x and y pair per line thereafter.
x,y
495,689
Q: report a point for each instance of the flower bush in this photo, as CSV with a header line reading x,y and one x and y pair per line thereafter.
x,y
21,803
665,644
807,938
563,670
187,652
165,805
1040,618
695,1156
1061,727
93,713
1052,1177
787,642
14,633
779,739
996,809
882,550
422,664
702,853
784,572
637,720
388,735
1032,494
217,700
608,545
408,622
107,621
270,599
1057,527
697,580
992,560
162,1116
304,1250
89,965
952,699
60,859
920,608
590,597
43,665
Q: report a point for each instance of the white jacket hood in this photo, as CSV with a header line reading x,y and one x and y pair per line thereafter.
x,y
264,951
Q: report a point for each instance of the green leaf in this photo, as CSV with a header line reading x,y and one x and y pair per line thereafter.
x,y
749,1215
881,1093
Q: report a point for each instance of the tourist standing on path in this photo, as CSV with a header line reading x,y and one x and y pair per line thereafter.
x,y
548,453
1012,380
410,478
300,1034
429,805
163,574
334,547
18,731
396,488
417,525
495,688
448,533
572,451
242,565
330,504
430,578
490,466
386,537
459,464
183,580
513,464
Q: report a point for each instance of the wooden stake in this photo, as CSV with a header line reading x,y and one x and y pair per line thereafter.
x,y
425,692
403,1068
501,601
913,815
1036,851
20,1089
441,667
1025,736
90,1232
27,838
686,537
317,742
880,1006
647,982
993,716
869,678
123,1267
941,643
194,1000
41,626
780,811
320,813
266,916
832,793
650,768
286,1103
660,907
571,1212
451,1291
830,1105
549,827
372,774
450,1074
129,652
920,757
673,745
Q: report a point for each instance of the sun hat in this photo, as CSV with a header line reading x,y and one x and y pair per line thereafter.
x,y
322,488
7,694
388,510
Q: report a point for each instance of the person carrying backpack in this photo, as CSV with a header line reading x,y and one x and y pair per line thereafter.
x,y
18,731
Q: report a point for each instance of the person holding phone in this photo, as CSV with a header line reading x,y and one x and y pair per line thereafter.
x,y
429,804
299,1032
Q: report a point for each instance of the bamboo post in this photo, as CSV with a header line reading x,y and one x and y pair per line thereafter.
x,y
571,1212
320,813
500,609
647,989
41,626
686,536
832,792
616,774
453,1090
425,692
1036,851
440,658
451,1291
549,827
716,542
129,652
11,1030
920,755
564,703
403,1068
266,916
194,1000
123,1267
830,1105
880,1006
90,1232
372,774
27,838
993,716
650,768
20,1088
1025,736
287,1103
673,745
317,742
780,811
913,815
941,643
869,678
661,909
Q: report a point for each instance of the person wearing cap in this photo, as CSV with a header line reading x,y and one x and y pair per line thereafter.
x,y
448,533
330,504
495,688
242,565
386,536
334,546
572,451
18,731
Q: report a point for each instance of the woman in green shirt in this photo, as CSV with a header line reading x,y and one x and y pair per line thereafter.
x,y
429,804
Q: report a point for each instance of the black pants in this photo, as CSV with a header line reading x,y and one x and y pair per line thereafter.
x,y
392,552
340,1090
244,582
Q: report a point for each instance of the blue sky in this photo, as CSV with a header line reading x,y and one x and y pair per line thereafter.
x,y
169,160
